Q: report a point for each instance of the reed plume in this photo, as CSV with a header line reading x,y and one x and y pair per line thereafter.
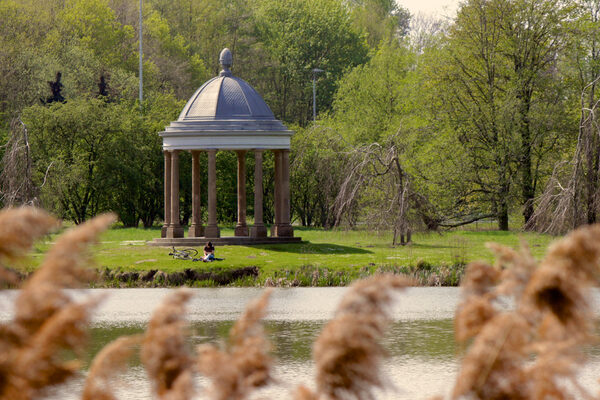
x,y
39,365
19,228
42,294
110,361
531,350
348,353
164,353
304,393
47,321
245,363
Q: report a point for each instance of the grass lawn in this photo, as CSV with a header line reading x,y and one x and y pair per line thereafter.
x,y
334,250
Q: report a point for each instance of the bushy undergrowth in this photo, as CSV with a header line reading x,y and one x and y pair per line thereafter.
x,y
528,351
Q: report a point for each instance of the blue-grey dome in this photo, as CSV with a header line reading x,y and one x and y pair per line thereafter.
x,y
226,97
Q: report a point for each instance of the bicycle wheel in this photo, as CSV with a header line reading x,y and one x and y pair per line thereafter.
x,y
180,255
190,252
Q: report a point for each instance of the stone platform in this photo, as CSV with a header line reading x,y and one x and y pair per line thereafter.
x,y
222,241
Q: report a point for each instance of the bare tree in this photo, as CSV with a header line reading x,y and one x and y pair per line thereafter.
x,y
16,185
572,195
377,183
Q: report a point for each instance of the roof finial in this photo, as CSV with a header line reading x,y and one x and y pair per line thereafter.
x,y
226,60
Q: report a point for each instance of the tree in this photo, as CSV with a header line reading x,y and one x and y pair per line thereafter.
x,y
378,188
135,179
381,20
374,97
317,166
76,137
534,36
496,73
298,36
572,196
16,184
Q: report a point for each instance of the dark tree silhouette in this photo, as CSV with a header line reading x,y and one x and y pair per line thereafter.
x,y
102,87
55,88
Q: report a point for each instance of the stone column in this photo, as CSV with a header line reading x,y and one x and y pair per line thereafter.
x,y
285,228
258,230
212,230
277,192
174,230
167,182
241,229
196,228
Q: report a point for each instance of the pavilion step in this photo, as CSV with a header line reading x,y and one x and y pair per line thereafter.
x,y
223,241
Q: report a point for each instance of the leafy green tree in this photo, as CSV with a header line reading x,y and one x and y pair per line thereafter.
x,y
372,99
94,25
380,19
136,159
23,70
69,144
298,36
175,66
495,77
316,167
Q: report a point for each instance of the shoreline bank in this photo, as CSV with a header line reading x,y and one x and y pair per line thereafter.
x,y
423,274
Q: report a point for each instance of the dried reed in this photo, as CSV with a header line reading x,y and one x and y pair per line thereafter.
x,y
47,321
19,228
348,353
42,294
245,363
164,353
531,350
38,365
108,362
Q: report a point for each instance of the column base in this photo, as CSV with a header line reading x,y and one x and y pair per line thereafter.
x,y
174,232
163,231
212,232
258,231
196,231
241,230
282,230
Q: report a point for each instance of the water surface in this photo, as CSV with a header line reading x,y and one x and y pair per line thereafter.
x,y
423,356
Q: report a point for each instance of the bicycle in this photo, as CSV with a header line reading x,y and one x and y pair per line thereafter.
x,y
184,254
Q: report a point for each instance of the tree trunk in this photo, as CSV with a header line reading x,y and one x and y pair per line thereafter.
x,y
591,154
503,218
527,190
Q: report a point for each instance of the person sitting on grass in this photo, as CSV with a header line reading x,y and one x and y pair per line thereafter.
x,y
209,252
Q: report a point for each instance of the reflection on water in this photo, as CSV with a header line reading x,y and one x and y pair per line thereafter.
x,y
423,356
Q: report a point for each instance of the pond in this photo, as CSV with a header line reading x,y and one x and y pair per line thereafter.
x,y
423,357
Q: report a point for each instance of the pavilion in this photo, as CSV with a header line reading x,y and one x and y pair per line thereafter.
x,y
226,114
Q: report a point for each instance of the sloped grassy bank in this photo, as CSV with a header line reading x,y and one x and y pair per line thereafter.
x,y
423,275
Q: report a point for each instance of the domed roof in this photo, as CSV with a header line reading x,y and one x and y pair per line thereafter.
x,y
226,97
226,113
